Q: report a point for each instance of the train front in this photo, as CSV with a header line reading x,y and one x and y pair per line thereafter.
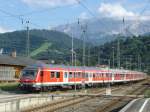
x,y
28,79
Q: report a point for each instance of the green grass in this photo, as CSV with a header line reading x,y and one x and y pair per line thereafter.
x,y
9,86
147,93
42,48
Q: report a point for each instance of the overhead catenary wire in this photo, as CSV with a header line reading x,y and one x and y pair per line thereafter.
x,y
19,17
46,10
90,12
138,16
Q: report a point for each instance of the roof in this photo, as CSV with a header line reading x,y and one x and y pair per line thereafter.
x,y
80,68
19,61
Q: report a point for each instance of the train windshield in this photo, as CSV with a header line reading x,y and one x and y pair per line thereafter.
x,y
29,73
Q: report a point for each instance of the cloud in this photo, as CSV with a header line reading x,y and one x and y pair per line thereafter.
x,y
67,30
84,15
4,30
49,3
114,10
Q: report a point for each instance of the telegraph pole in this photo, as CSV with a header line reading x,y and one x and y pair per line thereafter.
x,y
89,55
139,62
72,50
118,52
98,56
118,43
126,64
84,34
113,57
28,39
130,58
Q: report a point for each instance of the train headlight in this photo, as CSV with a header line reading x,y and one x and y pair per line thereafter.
x,y
33,85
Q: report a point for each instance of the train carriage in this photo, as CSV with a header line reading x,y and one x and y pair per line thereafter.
x,y
52,76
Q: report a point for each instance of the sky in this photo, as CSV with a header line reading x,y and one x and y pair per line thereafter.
x,y
46,14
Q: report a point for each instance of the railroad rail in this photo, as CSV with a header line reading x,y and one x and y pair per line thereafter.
x,y
79,98
53,106
121,101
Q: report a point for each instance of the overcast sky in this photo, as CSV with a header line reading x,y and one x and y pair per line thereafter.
x,y
49,13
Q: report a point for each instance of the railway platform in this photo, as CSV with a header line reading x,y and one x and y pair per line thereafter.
x,y
137,105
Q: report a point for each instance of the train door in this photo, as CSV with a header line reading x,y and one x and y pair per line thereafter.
x,y
113,77
66,77
90,77
42,78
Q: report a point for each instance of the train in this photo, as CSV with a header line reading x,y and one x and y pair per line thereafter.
x,y
36,77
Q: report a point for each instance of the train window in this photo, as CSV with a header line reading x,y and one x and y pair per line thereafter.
x,y
57,74
97,75
94,75
65,74
107,75
86,75
70,75
41,73
100,75
104,75
29,73
78,73
52,74
83,75
110,75
75,75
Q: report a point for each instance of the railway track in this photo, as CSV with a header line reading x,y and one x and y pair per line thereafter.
x,y
56,105
115,104
64,103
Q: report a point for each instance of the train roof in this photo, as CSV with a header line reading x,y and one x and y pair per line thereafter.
x,y
64,67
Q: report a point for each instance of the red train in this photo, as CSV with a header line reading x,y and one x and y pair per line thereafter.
x,y
51,76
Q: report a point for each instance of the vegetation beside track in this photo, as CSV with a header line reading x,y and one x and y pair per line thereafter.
x,y
9,86
147,93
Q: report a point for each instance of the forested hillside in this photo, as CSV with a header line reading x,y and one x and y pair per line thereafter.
x,y
41,41
134,53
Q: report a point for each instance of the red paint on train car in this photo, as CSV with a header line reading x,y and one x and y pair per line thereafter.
x,y
59,76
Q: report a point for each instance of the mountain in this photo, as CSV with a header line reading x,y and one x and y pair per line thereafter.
x,y
105,29
41,42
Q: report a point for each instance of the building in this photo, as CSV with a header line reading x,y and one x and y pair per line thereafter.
x,y
11,66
